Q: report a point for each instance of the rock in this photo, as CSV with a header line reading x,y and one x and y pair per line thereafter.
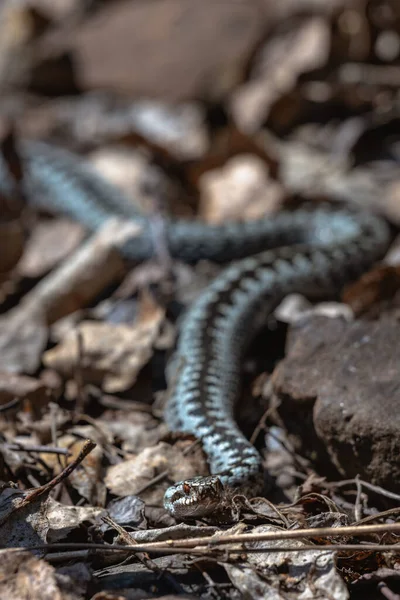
x,y
167,48
339,388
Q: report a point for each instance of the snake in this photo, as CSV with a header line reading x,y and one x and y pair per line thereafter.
x,y
313,250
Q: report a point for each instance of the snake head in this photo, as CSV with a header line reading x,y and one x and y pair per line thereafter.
x,y
195,498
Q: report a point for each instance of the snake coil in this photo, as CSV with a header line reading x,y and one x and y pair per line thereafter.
x,y
323,249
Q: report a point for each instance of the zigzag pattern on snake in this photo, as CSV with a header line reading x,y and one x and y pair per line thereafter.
x,y
323,249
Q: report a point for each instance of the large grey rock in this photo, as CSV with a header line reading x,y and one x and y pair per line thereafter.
x,y
339,388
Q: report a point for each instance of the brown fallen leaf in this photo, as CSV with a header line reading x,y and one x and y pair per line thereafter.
x,y
284,58
112,355
85,274
23,330
25,577
242,189
50,242
376,286
64,520
32,393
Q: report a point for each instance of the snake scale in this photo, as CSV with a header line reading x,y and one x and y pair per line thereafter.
x,y
319,250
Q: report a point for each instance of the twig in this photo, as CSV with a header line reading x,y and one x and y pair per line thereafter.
x,y
123,405
53,429
80,555
212,542
261,424
385,513
369,486
387,592
357,504
41,449
317,532
9,405
205,550
81,396
299,461
275,509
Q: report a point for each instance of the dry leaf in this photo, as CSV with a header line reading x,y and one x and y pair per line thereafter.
x,y
32,392
23,336
310,574
240,190
112,355
49,243
21,525
25,577
285,57
63,520
376,286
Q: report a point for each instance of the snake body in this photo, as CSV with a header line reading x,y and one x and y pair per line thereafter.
x,y
323,249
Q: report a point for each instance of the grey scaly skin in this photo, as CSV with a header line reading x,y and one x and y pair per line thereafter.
x,y
328,248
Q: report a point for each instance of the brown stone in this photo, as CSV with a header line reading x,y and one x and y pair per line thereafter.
x,y
169,48
339,388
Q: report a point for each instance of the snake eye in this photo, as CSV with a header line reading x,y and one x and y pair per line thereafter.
x,y
186,488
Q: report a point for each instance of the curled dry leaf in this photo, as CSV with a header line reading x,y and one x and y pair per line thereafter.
x,y
111,355
241,190
179,128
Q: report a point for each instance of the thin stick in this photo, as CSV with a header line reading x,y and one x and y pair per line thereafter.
x,y
206,551
41,449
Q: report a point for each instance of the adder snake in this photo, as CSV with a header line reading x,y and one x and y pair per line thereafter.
x,y
323,249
